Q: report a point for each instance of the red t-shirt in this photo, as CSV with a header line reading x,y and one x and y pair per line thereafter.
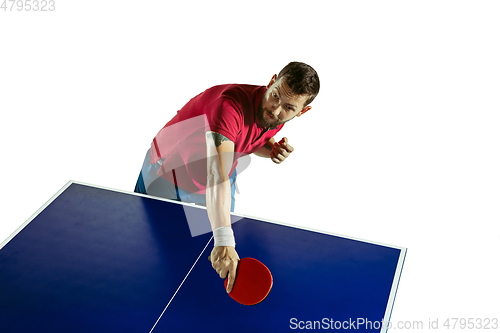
x,y
230,110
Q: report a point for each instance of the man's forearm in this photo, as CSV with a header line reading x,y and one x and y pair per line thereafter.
x,y
218,192
266,150
220,154
219,202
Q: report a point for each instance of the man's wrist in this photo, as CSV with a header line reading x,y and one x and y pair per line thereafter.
x,y
269,148
269,145
224,236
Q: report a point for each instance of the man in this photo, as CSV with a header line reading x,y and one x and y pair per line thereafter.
x,y
193,158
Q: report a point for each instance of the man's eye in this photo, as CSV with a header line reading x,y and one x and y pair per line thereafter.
x,y
275,95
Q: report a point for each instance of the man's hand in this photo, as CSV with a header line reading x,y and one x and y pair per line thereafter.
x,y
225,262
281,150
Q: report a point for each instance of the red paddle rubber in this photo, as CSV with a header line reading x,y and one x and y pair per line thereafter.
x,y
253,282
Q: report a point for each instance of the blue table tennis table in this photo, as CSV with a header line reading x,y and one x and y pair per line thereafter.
x,y
100,260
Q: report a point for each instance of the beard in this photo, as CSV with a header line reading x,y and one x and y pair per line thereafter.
x,y
264,122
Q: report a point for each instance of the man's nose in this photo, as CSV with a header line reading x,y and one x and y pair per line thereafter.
x,y
276,110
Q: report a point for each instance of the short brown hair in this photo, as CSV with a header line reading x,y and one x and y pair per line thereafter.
x,y
302,80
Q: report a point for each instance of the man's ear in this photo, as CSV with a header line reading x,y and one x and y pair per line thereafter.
x,y
304,110
275,77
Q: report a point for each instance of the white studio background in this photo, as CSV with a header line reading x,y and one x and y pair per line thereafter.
x,y
400,147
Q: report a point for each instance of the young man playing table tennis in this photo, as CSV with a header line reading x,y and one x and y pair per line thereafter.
x,y
193,158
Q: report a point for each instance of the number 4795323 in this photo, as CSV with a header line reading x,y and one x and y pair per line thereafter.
x,y
28,5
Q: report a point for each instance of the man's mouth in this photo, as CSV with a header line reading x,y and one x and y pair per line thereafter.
x,y
270,117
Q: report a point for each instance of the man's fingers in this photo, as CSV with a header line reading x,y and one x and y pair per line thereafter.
x,y
283,152
231,278
223,273
224,261
277,159
284,143
279,155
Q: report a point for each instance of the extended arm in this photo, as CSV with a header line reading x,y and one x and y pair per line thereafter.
x,y
220,154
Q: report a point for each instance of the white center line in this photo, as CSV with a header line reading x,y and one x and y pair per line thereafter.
x,y
181,284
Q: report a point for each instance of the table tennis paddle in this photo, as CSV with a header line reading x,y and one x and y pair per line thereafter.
x,y
253,282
